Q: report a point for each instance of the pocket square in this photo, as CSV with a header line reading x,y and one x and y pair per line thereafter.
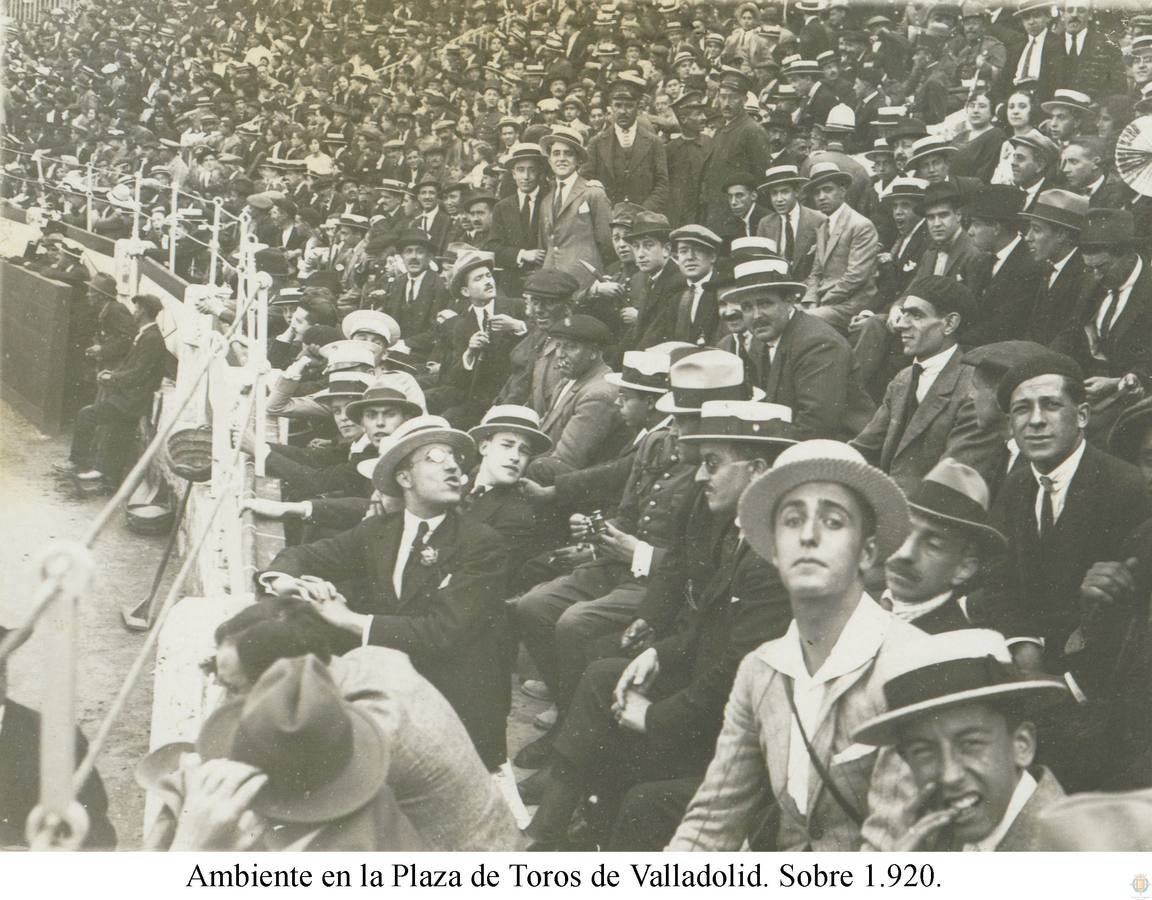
x,y
584,207
443,584
852,752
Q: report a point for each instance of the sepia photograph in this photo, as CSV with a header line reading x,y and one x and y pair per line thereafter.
x,y
597,426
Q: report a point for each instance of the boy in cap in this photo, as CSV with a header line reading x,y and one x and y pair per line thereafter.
x,y
664,283
964,721
432,580
823,516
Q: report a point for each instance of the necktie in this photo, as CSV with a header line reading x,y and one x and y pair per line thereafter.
x,y
413,560
1047,517
1026,63
911,401
556,198
411,289
742,342
427,226
484,320
1109,313
941,263
787,237
526,210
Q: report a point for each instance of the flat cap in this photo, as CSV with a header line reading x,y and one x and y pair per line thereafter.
x,y
585,329
551,284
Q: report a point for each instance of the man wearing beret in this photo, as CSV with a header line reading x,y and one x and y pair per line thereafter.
x,y
582,420
927,412
629,158
431,580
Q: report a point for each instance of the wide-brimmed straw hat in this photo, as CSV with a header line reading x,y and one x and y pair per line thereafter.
x,y
697,376
522,420
951,669
410,437
824,460
643,371
324,757
744,422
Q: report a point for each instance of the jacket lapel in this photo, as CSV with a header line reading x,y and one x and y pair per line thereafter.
x,y
825,729
579,189
938,396
833,236
426,574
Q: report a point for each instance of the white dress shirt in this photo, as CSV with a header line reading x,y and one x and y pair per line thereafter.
x,y
1058,267
563,188
834,220
1122,294
697,288
415,283
1074,43
1037,46
407,536
793,217
859,641
626,137
428,219
1025,788
1030,193
930,371
1003,253
1061,477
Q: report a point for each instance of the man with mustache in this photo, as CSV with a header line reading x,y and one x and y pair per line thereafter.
x,y
430,581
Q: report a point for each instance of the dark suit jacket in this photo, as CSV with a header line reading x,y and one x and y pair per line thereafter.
x,y
895,275
443,231
698,330
949,617
491,370
504,510
20,781
737,146
509,235
639,174
944,424
1112,194
139,374
1007,302
114,332
1057,305
804,241
813,374
1034,588
599,486
685,167
1099,69
417,319
966,263
656,321
450,617
532,374
731,227
1052,62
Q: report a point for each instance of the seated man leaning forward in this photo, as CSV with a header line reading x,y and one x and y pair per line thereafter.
x,y
433,580
962,717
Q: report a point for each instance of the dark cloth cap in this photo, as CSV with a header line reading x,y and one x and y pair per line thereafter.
x,y
941,193
1108,228
1050,363
997,358
996,203
586,329
551,284
945,294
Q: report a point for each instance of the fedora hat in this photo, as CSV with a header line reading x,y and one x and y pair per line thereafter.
x,y
410,437
324,757
824,460
414,237
696,376
644,371
996,203
1067,98
927,146
520,420
1027,6
374,322
393,390
951,669
564,135
881,149
468,262
781,175
763,275
956,494
826,171
344,384
1127,434
649,224
1059,207
745,249
744,422
1107,229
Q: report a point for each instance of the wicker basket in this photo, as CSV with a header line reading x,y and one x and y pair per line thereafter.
x,y
190,450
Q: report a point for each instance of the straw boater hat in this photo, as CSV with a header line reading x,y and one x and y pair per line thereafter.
x,y
324,757
344,384
411,436
564,135
824,460
951,669
374,322
698,376
778,176
520,420
745,422
745,249
1065,98
928,146
763,275
643,371
957,495
826,171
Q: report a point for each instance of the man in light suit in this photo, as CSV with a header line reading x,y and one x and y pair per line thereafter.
x,y
799,699
582,416
792,226
574,222
927,412
967,688
628,158
843,277
800,361
431,581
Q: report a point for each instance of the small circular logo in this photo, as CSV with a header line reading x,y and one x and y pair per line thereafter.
x,y
1140,883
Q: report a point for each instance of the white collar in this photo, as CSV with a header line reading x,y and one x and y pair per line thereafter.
x,y
815,87
626,132
1004,252
933,364
703,281
1025,788
412,522
1062,475
858,642
489,307
1130,281
1094,186
837,214
361,443
532,194
910,612
1039,39
566,183
793,215
417,278
1057,267
144,328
